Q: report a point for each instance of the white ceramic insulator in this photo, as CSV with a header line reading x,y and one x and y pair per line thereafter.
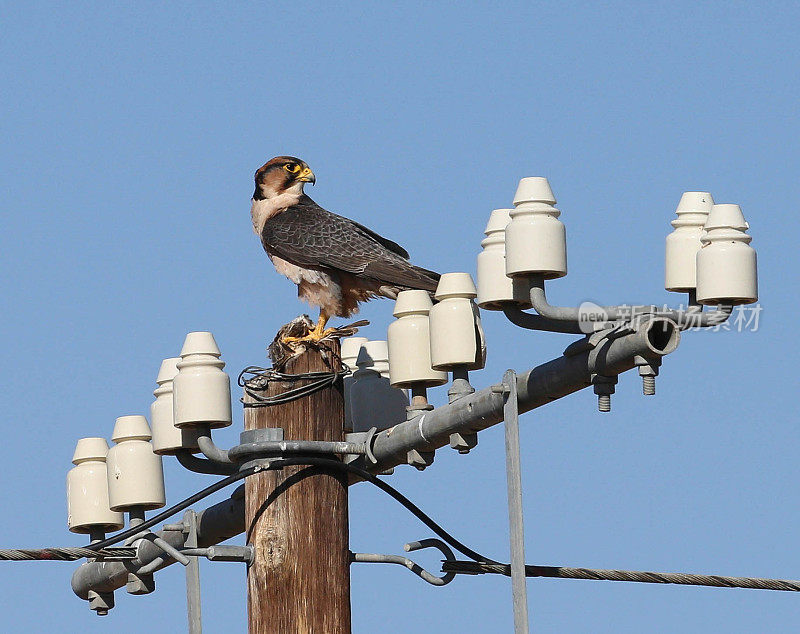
x,y
457,338
684,242
168,439
87,490
495,288
374,355
536,240
410,343
135,475
201,390
351,346
727,272
373,400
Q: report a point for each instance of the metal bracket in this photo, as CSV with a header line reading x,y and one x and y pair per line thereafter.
x,y
269,443
224,552
193,597
367,438
463,442
101,602
515,520
140,583
420,460
460,387
371,558
167,548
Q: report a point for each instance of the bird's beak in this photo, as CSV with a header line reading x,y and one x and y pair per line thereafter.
x,y
307,176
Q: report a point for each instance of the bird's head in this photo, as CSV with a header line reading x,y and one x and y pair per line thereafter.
x,y
280,175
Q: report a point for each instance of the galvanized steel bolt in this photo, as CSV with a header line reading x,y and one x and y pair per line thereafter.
x,y
604,387
648,370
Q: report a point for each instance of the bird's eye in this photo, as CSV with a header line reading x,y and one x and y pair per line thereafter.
x,y
292,168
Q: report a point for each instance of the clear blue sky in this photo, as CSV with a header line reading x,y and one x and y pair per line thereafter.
x,y
128,141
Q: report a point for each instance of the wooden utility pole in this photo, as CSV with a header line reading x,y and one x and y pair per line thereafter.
x,y
296,519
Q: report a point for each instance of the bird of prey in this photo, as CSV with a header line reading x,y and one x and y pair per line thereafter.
x,y
335,262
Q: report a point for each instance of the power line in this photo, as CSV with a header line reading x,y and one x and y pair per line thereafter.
x,y
65,554
679,578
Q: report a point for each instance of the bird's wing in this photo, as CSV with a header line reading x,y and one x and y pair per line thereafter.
x,y
309,236
392,246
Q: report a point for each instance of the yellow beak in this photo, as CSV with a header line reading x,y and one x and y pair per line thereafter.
x,y
307,176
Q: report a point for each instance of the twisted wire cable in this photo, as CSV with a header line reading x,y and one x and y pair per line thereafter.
x,y
680,578
65,554
481,565
101,550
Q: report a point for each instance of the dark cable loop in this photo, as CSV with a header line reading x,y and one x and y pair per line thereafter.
x,y
254,379
394,493
180,506
288,462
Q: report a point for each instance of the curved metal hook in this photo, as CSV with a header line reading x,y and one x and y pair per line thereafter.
x,y
372,558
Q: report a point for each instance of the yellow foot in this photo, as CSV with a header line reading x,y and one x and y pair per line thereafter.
x,y
314,336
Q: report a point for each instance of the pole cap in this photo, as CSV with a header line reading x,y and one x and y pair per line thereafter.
x,y
726,216
498,221
131,428
90,449
534,189
456,285
168,370
412,302
696,202
200,342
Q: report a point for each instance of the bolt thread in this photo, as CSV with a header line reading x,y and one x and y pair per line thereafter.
x,y
604,402
649,385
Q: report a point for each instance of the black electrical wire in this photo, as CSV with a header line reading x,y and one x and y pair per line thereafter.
x,y
387,488
480,565
255,379
180,506
261,377
288,462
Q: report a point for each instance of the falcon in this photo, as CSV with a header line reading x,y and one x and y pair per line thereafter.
x,y
335,262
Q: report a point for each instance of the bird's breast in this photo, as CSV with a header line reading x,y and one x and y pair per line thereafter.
x,y
298,274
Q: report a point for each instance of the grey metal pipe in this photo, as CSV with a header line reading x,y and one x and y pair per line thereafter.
x,y
651,339
562,313
520,318
607,355
214,525
267,448
696,319
198,465
210,450
691,318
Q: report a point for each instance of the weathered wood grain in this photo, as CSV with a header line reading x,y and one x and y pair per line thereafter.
x,y
297,520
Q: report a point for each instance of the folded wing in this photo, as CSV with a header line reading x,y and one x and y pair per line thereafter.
x,y
312,237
